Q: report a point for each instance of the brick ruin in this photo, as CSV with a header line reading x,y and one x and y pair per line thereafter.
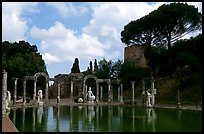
x,y
135,54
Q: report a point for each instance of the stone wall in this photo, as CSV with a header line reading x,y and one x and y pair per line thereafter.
x,y
135,54
65,85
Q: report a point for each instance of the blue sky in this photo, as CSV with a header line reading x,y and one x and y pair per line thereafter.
x,y
64,31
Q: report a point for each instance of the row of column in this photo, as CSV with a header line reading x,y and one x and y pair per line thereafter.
x,y
34,94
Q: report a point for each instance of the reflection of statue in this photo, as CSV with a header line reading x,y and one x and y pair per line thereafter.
x,y
91,113
90,97
40,113
149,96
8,99
40,97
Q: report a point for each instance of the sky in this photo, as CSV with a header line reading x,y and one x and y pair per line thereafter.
x,y
63,31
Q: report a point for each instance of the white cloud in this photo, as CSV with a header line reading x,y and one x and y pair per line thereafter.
x,y
66,45
14,27
50,58
67,9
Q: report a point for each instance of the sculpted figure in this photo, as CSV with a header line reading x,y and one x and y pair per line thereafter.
x,y
40,96
8,99
90,96
148,103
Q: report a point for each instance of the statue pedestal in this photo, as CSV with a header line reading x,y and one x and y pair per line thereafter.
x,y
40,103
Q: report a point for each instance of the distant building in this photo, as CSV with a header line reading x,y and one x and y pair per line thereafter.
x,y
135,54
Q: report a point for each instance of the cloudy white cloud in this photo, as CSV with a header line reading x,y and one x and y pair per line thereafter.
x,y
68,9
14,26
65,44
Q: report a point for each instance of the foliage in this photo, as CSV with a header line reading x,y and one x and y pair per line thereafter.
x,y
75,67
167,24
21,59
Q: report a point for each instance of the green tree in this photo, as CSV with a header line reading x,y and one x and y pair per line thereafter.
x,y
75,67
21,59
95,66
167,24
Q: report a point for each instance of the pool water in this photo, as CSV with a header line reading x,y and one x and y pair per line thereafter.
x,y
105,119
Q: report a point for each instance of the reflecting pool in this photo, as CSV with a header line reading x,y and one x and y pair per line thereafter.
x,y
105,119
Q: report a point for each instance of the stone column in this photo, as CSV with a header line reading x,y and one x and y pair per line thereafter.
x,y
46,92
71,94
15,91
143,92
178,99
118,93
58,92
133,91
4,89
34,93
109,91
121,89
97,92
152,91
24,92
101,92
84,93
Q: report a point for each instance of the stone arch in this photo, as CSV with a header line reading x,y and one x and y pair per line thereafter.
x,y
90,76
41,74
47,80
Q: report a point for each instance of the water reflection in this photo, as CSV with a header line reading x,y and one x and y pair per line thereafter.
x,y
103,118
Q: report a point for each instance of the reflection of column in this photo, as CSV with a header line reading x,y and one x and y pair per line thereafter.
x,y
14,116
110,112
101,111
133,91
109,91
15,91
46,92
133,118
4,86
101,92
153,120
58,115
34,118
121,89
118,93
71,94
97,92
24,92
97,124
143,92
34,94
45,118
121,116
71,121
23,119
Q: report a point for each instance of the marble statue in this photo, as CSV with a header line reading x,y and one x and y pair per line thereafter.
x,y
40,97
90,97
8,99
149,96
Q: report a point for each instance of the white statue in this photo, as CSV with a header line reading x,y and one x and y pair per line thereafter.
x,y
40,97
8,99
90,96
149,96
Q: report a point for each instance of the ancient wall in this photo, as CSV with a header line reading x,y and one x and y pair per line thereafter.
x,y
135,54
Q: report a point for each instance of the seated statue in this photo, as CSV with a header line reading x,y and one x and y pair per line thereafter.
x,y
90,97
8,99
